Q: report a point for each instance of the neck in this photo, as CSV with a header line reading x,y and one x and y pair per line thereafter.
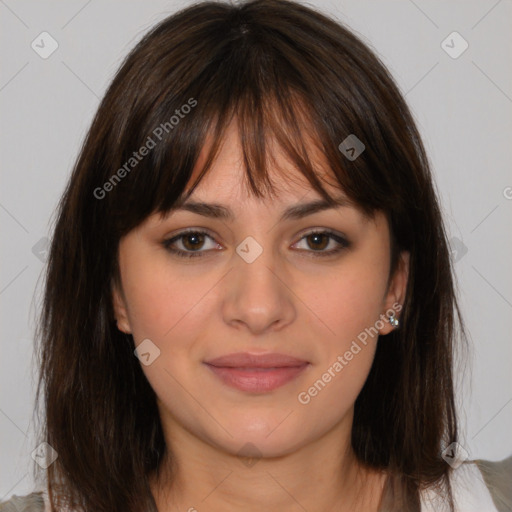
x,y
315,477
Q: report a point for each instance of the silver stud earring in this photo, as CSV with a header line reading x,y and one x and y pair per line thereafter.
x,y
393,320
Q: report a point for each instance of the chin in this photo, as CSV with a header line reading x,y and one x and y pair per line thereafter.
x,y
256,436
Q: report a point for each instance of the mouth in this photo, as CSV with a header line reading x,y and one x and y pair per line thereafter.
x,y
256,373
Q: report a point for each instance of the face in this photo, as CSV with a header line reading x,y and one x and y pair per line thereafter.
x,y
302,311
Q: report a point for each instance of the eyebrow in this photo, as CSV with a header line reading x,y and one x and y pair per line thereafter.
x,y
294,212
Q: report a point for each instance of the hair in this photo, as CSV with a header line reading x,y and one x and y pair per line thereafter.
x,y
285,73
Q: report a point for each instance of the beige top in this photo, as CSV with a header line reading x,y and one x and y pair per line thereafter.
x,y
478,486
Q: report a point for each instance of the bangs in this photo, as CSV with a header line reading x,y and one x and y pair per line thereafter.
x,y
264,128
280,96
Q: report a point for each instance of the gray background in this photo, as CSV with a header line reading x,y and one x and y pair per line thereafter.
x,y
462,105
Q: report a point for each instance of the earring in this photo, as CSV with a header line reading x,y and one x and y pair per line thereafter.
x,y
393,320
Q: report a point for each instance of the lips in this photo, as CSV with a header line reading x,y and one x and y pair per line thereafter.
x,y
257,373
247,360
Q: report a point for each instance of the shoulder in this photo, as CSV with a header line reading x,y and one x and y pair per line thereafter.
x,y
37,501
498,479
477,486
34,502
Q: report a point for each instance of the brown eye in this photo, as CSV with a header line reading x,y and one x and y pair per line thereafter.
x,y
317,241
191,242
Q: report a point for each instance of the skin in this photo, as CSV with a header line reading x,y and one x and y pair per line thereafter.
x,y
286,301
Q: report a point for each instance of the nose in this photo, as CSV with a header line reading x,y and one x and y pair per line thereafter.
x,y
258,296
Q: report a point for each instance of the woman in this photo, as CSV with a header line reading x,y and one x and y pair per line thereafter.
x,y
249,300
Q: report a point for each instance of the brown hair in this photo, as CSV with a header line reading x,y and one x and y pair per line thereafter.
x,y
286,72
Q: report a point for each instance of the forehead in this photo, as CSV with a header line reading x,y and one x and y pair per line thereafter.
x,y
221,195
226,178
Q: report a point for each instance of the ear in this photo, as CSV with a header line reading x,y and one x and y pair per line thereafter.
x,y
395,296
120,310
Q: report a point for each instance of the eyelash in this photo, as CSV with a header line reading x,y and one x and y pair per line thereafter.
x,y
343,243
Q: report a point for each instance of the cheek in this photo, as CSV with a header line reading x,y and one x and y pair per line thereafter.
x,y
349,303
148,299
169,311
350,300
173,310
159,302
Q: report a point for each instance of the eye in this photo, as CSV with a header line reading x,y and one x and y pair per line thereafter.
x,y
192,241
319,240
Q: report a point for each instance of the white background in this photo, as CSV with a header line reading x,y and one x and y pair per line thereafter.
x,y
463,108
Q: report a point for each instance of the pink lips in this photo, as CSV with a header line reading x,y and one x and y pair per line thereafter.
x,y
256,372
